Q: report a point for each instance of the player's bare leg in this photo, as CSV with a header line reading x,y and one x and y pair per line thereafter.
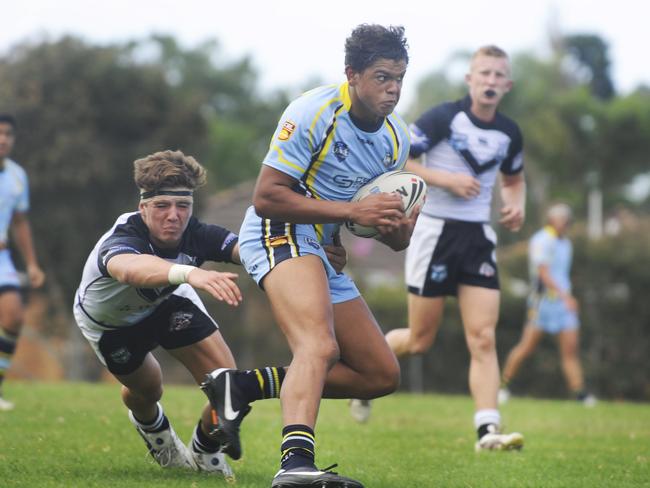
x,y
424,316
308,325
525,347
479,309
424,319
11,321
367,368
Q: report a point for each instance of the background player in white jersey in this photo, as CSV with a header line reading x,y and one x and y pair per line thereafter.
x,y
14,204
328,143
452,252
552,307
137,292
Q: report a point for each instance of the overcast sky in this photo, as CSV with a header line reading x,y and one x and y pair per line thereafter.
x,y
291,42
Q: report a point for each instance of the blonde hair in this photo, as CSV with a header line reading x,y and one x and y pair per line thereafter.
x,y
559,211
490,50
168,169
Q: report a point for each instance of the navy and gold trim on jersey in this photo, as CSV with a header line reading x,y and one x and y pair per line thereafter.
x,y
279,241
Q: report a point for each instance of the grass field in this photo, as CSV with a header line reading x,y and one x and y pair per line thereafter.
x,y
78,435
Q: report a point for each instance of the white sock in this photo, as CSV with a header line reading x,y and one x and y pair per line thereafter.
x,y
156,424
487,416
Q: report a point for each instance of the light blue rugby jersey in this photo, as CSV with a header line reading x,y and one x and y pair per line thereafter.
x,y
14,194
547,248
317,143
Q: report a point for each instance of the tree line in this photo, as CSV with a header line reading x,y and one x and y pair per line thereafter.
x,y
86,111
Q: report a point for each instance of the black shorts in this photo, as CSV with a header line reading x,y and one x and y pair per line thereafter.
x,y
446,253
177,322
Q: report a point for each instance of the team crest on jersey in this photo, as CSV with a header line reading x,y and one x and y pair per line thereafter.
x,y
458,141
388,160
439,272
180,320
121,355
287,129
341,150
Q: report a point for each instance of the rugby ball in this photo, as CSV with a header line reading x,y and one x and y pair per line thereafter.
x,y
409,186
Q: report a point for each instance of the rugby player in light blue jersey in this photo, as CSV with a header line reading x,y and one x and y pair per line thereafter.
x,y
328,143
552,307
14,205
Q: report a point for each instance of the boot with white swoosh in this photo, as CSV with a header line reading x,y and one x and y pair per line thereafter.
x,y
231,408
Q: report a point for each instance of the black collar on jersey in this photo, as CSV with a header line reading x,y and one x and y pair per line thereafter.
x,y
174,193
365,126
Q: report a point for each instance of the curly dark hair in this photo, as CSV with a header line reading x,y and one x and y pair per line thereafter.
x,y
370,42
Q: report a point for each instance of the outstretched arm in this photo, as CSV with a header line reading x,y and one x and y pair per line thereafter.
x,y
147,271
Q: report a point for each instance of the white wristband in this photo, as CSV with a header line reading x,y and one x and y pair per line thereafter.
x,y
178,273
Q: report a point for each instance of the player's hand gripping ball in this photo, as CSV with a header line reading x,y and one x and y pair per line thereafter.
x,y
409,186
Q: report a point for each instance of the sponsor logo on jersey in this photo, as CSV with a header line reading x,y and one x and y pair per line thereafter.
x,y
486,269
278,241
121,355
180,320
347,181
341,150
287,129
439,272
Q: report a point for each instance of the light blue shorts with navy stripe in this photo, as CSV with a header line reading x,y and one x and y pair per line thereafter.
x,y
8,275
552,315
265,243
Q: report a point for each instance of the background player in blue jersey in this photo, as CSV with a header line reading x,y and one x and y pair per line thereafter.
x,y
328,143
137,292
14,204
552,307
465,145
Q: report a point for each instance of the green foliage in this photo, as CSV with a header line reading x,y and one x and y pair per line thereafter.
x,y
60,437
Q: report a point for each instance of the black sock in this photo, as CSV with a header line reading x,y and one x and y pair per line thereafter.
x,y
298,447
260,383
202,442
486,429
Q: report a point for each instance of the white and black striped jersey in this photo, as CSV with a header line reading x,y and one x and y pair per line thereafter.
x,y
455,140
111,304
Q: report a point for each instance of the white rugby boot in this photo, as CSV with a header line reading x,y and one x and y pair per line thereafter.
x,y
165,447
212,462
496,441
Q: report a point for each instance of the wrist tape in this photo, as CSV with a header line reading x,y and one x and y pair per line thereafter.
x,y
178,273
